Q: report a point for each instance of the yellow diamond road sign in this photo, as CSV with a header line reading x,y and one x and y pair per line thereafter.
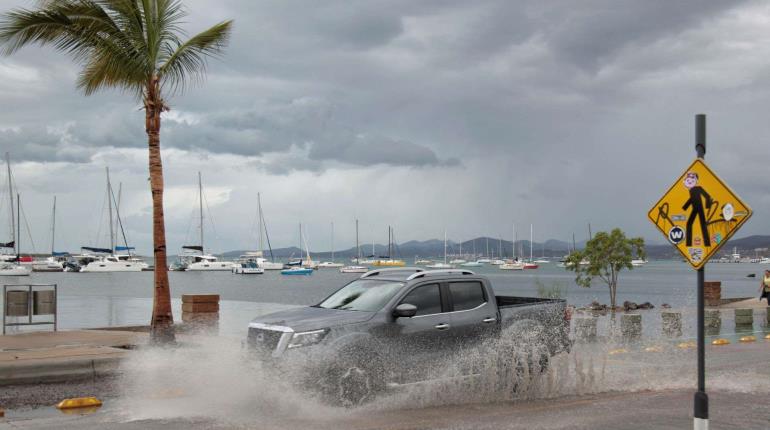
x,y
699,213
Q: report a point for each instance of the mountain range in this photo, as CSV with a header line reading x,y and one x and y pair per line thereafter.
x,y
493,247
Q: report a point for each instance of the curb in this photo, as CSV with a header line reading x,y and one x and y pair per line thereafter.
x,y
61,370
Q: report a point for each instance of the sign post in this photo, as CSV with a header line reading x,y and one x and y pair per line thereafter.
x,y
698,214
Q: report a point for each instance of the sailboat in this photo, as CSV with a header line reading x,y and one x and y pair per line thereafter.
x,y
194,258
542,259
54,263
513,264
9,263
440,265
530,264
304,267
109,260
355,269
388,260
459,260
330,264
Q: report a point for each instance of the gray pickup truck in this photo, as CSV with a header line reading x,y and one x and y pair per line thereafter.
x,y
403,325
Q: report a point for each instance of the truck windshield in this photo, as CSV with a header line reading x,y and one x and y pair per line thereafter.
x,y
365,295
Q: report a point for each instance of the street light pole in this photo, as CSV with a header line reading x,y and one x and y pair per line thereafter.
x,y
701,406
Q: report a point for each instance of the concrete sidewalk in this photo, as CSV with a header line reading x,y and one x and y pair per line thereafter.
x,y
65,355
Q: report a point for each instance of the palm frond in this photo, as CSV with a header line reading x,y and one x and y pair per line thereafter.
x,y
187,61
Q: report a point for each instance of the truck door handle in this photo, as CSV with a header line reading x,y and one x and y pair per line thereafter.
x,y
489,320
442,326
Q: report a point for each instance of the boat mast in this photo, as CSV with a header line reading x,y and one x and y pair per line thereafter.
x,y
390,231
259,223
18,219
513,244
332,242
53,226
531,236
10,197
200,206
109,208
487,256
500,247
358,248
444,246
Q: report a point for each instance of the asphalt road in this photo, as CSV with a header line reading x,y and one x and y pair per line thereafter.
x,y
634,389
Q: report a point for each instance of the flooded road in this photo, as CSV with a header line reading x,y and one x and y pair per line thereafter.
x,y
210,385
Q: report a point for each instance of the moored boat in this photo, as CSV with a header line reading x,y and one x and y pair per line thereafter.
x,y
354,269
297,271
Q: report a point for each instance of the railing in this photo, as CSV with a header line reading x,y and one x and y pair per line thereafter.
x,y
30,300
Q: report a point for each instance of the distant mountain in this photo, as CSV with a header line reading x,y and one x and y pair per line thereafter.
x,y
434,248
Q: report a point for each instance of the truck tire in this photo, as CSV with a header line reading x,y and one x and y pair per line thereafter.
x,y
356,377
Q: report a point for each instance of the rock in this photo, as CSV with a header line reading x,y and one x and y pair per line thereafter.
x,y
665,306
751,275
646,305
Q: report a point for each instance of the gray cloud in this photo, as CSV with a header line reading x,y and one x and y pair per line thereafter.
x,y
551,110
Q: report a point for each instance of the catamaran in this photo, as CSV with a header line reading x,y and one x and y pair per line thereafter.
x,y
116,258
194,258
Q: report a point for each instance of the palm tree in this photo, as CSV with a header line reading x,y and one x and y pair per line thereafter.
x,y
135,46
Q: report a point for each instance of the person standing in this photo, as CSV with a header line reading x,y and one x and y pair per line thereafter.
x,y
764,288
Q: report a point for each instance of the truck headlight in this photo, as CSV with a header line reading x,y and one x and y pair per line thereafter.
x,y
306,338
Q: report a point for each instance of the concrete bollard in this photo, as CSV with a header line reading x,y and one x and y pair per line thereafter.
x,y
672,323
712,321
744,318
631,327
201,311
585,329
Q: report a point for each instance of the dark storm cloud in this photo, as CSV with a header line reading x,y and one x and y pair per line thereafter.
x,y
552,107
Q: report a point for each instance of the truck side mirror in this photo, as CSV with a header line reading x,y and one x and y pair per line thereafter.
x,y
405,310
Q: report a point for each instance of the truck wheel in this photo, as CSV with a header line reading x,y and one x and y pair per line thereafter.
x,y
353,380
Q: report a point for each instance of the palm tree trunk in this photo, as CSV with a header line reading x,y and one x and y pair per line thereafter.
x,y
162,325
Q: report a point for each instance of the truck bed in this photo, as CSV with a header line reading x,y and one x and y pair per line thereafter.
x,y
510,301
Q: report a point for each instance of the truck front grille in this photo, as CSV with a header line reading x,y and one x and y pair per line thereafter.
x,y
263,340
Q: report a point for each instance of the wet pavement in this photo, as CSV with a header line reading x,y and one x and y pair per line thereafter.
x,y
595,386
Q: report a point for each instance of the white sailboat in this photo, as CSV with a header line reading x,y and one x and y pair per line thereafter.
x,y
108,260
54,263
513,264
355,268
443,265
330,264
530,264
9,264
388,260
194,259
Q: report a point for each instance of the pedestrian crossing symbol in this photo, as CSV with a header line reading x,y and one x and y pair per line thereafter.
x,y
699,213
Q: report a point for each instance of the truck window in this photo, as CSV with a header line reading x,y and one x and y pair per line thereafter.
x,y
427,298
367,295
466,295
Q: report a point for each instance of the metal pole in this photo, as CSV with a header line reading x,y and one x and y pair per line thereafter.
x,y
701,401
200,207
109,206
10,197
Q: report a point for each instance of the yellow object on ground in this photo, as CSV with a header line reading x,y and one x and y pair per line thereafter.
x,y
653,349
767,337
79,402
748,339
720,341
687,345
618,351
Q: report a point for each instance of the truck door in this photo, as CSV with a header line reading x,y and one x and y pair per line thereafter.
x,y
420,341
473,316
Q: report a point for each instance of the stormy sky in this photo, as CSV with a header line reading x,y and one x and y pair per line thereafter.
x,y
429,115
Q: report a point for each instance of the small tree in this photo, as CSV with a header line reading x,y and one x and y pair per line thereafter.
x,y
604,257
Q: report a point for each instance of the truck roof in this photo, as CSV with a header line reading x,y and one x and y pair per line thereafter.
x,y
405,274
